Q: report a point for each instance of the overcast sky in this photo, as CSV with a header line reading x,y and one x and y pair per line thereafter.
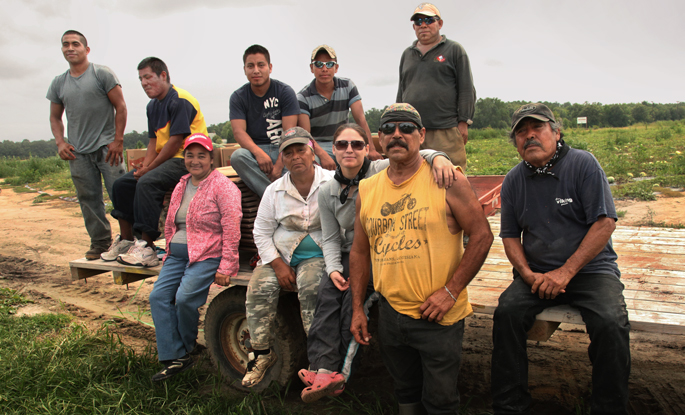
x,y
604,51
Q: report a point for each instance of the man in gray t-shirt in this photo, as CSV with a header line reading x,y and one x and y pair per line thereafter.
x,y
96,113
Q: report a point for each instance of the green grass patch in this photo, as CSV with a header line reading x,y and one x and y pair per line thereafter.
x,y
621,213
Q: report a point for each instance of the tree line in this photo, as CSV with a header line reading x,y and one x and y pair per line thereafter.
x,y
490,113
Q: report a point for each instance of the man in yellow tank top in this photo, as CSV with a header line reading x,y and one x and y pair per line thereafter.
x,y
411,232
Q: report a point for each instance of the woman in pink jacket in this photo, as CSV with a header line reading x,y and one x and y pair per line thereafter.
x,y
203,231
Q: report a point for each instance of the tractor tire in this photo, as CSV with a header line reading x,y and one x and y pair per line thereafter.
x,y
226,332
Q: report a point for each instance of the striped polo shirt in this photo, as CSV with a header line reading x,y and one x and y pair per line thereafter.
x,y
327,115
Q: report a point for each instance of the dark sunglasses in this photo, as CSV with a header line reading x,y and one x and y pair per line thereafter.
x,y
405,127
428,20
341,145
319,64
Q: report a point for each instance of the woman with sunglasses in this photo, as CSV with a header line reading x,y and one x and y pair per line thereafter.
x,y
202,231
329,336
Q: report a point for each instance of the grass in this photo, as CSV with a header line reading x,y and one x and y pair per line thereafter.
x,y
654,150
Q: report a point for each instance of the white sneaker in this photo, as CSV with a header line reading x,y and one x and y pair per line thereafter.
x,y
117,248
140,255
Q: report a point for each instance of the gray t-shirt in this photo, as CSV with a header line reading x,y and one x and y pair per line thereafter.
x,y
90,114
181,236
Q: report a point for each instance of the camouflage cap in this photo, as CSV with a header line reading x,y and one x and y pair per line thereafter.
x,y
401,112
535,110
295,135
325,48
426,9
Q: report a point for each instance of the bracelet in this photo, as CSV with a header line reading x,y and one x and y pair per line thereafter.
x,y
450,293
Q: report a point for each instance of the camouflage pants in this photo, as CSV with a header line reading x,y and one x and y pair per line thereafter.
x,y
262,299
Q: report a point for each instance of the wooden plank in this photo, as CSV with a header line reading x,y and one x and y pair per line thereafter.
x,y
82,273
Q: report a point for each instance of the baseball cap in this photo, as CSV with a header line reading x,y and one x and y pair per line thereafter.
x,y
535,110
401,112
325,48
426,9
295,135
201,139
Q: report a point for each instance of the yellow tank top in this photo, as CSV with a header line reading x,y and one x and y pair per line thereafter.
x,y
413,253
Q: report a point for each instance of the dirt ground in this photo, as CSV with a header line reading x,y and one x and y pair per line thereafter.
x,y
38,240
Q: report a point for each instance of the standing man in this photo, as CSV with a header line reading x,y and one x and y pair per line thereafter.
x,y
326,102
411,231
259,112
435,77
96,113
172,115
559,199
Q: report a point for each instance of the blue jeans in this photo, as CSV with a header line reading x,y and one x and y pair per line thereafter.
x,y
245,164
139,201
87,172
423,359
180,290
599,297
327,146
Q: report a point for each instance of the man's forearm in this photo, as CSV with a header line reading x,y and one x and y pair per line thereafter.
x,y
120,124
57,128
474,256
168,151
359,277
592,244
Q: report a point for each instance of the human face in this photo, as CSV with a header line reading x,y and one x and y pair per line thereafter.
x,y
536,142
428,33
350,158
74,51
298,158
399,146
155,86
198,161
323,75
257,69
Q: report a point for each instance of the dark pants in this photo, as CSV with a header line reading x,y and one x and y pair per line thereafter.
x,y
423,359
139,201
599,297
329,336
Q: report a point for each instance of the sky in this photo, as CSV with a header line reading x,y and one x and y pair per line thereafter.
x,y
606,51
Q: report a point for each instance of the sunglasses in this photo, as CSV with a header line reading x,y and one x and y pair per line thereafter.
x,y
329,64
428,20
341,145
405,127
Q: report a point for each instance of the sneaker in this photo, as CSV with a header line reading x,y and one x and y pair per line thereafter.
x,y
257,367
325,384
140,255
118,247
95,251
306,376
174,367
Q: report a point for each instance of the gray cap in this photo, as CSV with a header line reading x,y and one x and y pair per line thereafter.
x,y
295,135
535,110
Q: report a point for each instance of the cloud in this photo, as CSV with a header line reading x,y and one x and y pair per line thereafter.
x,y
166,7
494,62
10,69
381,81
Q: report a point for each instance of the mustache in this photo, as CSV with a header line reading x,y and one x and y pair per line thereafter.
x,y
398,143
532,143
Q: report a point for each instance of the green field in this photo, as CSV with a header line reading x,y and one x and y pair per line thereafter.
x,y
654,154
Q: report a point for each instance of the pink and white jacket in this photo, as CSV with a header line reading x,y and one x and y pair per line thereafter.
x,y
212,221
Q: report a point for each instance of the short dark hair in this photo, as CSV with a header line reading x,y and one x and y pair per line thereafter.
x,y
351,126
254,49
79,34
156,65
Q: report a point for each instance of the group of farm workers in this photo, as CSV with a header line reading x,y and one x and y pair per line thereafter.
x,y
343,226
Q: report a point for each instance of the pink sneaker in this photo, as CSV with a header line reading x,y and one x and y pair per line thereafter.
x,y
324,385
306,376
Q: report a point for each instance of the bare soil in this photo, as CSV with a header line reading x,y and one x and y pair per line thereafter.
x,y
38,240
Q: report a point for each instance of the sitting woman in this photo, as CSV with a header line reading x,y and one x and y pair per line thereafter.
x,y
203,231
328,344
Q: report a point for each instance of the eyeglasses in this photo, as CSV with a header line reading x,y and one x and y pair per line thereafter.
x,y
358,145
405,127
428,20
319,64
